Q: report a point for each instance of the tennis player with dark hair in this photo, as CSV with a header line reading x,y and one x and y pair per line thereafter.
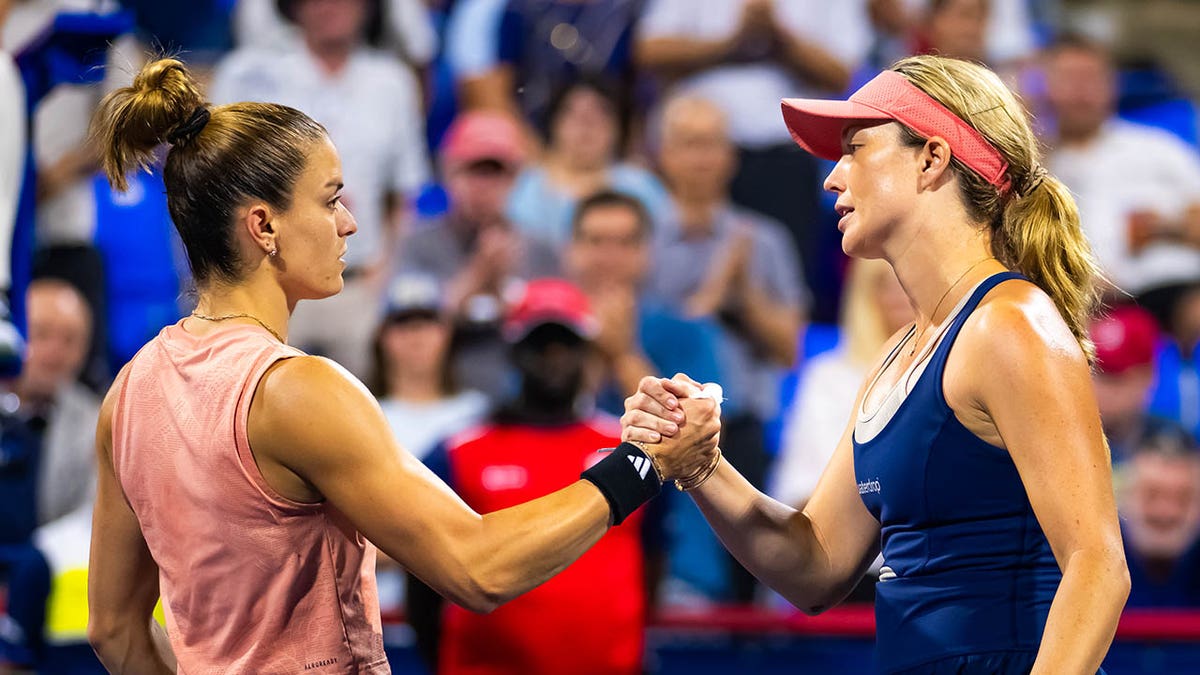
x,y
246,481
975,456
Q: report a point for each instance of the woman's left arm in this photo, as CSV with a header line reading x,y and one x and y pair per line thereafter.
x,y
1032,380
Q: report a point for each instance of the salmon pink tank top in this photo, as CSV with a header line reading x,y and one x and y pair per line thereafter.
x,y
252,582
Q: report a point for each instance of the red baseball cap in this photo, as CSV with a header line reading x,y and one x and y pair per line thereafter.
x,y
480,135
550,301
817,124
1125,338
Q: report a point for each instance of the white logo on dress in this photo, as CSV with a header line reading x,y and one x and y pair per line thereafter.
x,y
869,486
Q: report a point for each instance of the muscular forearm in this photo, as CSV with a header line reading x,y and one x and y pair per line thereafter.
x,y
813,64
1083,617
776,543
679,56
133,651
519,548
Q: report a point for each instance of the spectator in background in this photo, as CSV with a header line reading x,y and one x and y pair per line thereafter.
x,y
997,32
609,259
371,105
717,261
473,250
956,28
874,308
1125,339
539,442
746,55
1160,505
47,453
1176,394
413,377
472,50
544,45
64,161
401,26
1138,188
586,123
53,401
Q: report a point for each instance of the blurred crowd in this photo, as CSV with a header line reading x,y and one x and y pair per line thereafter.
x,y
555,198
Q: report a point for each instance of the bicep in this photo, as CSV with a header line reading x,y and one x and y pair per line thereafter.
x,y
331,433
1052,432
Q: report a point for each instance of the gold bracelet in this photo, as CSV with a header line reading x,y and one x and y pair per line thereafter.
x,y
697,479
653,460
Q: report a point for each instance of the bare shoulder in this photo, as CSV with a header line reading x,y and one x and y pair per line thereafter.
x,y
306,386
1019,321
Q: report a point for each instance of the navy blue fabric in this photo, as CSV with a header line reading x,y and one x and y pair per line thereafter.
x,y
603,45
974,572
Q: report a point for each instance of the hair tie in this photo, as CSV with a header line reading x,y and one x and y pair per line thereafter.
x,y
1036,175
191,128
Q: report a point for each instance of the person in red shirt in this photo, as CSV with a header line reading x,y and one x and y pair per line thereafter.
x,y
536,444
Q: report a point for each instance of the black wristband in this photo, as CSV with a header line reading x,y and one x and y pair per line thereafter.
x,y
626,478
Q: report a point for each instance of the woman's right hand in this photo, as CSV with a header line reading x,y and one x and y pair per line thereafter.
x,y
680,431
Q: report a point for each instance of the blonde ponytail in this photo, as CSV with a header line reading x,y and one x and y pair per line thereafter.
x,y
133,121
1041,236
1034,224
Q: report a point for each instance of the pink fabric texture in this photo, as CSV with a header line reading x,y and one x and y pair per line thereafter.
x,y
251,581
817,124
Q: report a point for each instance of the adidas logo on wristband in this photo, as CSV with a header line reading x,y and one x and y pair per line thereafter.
x,y
640,463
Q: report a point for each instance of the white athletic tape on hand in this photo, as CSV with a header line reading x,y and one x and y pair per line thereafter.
x,y
713,391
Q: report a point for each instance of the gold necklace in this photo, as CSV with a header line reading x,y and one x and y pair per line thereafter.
x,y
227,317
933,316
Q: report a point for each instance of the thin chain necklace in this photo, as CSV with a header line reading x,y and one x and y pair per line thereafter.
x,y
933,316
227,317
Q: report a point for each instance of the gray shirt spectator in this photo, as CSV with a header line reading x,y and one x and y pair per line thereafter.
x,y
683,262
473,251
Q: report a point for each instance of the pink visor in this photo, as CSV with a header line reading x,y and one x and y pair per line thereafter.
x,y
817,124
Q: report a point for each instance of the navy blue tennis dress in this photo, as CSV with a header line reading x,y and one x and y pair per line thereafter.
x,y
968,575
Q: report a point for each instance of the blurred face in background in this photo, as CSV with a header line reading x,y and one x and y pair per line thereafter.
x,y
584,130
553,362
60,331
415,345
697,158
1162,505
957,28
479,191
332,22
1081,89
609,248
1122,396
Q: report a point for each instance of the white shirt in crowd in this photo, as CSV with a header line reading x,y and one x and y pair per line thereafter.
x,y
372,110
750,92
1129,168
814,425
408,28
12,158
419,427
